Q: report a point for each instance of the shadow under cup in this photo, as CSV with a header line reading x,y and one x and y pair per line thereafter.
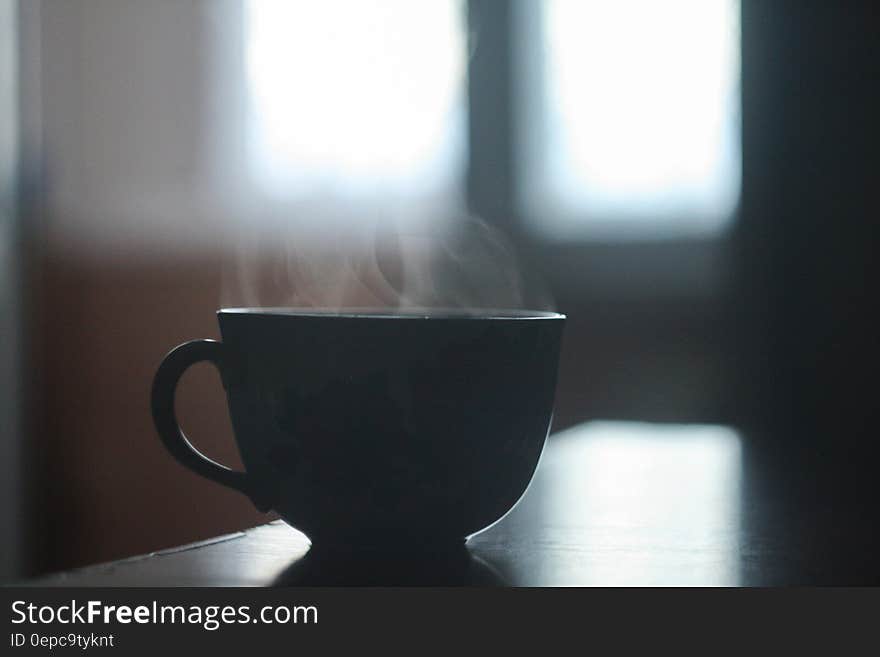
x,y
370,428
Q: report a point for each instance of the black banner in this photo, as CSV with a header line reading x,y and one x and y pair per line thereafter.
x,y
147,621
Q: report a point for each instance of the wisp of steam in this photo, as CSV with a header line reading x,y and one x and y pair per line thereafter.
x,y
462,265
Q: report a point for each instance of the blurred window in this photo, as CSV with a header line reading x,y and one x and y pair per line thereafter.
x,y
357,99
630,123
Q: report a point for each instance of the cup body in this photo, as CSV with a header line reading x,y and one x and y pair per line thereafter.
x,y
368,428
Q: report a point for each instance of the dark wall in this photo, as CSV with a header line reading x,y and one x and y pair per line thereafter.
x,y
806,242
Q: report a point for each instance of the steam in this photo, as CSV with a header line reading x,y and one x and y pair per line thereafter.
x,y
385,265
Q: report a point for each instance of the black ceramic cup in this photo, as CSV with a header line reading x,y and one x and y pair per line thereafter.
x,y
366,428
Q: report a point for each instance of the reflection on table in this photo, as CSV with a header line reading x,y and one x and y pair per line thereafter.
x,y
611,504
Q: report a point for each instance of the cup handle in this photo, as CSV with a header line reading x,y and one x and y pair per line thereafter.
x,y
172,368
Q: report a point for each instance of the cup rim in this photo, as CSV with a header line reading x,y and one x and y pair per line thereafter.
x,y
433,314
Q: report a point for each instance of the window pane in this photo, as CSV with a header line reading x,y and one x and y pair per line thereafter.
x,y
356,98
635,130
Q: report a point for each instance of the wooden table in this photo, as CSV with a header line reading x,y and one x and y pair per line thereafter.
x,y
611,504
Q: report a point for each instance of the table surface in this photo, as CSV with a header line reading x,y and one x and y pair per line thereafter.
x,y
611,504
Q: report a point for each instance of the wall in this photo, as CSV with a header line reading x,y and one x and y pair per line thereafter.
x,y
11,493
132,220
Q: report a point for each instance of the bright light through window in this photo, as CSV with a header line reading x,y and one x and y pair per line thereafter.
x,y
358,98
635,130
